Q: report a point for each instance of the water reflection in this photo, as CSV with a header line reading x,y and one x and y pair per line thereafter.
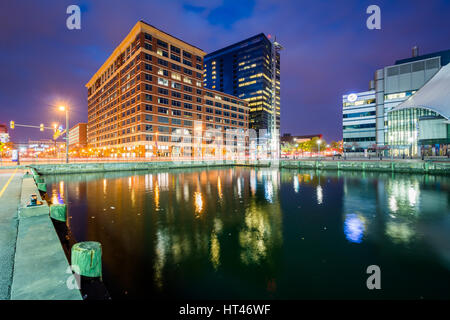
x,y
354,227
257,233
198,203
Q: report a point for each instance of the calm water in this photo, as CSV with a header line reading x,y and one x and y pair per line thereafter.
x,y
262,233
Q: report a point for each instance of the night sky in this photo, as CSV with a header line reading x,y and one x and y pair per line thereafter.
x,y
328,49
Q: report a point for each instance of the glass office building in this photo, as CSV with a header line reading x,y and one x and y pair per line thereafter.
x,y
245,70
420,125
402,125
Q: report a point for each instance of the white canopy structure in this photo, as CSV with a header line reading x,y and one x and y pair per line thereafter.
x,y
434,95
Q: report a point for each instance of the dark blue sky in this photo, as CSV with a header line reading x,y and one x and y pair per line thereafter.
x,y
328,49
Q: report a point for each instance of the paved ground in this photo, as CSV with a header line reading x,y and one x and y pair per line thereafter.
x,y
10,189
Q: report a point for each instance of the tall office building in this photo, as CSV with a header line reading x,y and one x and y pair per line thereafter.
x,y
250,70
148,99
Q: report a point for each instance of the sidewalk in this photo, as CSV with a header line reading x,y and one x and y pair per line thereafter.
x,y
33,265
10,190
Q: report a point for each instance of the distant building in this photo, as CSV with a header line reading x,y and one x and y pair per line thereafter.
x,y
78,136
4,136
359,121
288,138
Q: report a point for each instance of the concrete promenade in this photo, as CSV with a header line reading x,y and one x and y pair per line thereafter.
x,y
10,190
33,265
395,166
386,165
87,167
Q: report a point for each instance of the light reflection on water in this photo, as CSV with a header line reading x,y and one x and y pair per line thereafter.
x,y
261,233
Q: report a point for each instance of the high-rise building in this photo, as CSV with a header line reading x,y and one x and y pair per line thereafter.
x,y
250,70
148,99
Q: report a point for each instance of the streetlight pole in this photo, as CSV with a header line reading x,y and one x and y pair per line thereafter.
x,y
64,108
318,143
67,135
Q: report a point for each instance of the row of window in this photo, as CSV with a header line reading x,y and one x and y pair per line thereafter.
x,y
359,114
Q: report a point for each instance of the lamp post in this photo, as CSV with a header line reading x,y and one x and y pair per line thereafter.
x,y
318,143
63,108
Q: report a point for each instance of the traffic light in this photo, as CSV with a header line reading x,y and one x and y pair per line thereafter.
x,y
41,127
11,124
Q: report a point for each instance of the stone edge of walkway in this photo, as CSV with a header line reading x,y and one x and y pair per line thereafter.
x,y
41,270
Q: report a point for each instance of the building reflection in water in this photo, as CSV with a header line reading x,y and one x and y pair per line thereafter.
x,y
395,207
198,203
319,193
186,226
354,227
262,232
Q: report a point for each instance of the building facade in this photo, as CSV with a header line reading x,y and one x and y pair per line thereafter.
x,y
148,100
250,70
359,121
421,125
78,136
396,133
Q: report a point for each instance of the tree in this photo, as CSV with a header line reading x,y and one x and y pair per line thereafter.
x,y
315,145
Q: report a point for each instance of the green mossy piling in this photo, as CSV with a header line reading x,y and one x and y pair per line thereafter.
x,y
58,212
42,187
86,258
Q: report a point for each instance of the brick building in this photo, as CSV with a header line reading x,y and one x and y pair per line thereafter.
x,y
148,99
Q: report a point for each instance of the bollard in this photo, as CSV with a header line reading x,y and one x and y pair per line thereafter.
x,y
86,257
42,187
58,212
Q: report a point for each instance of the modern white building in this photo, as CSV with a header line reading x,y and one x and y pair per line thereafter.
x,y
421,124
392,86
359,121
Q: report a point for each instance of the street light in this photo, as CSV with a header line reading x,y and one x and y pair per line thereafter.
x,y
318,143
66,109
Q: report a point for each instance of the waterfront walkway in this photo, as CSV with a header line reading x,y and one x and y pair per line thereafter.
x,y
33,265
10,190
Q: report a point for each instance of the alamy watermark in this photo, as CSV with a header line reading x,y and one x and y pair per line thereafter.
x,y
74,20
374,20
374,280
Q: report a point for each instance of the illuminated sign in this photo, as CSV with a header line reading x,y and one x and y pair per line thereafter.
x,y
352,97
